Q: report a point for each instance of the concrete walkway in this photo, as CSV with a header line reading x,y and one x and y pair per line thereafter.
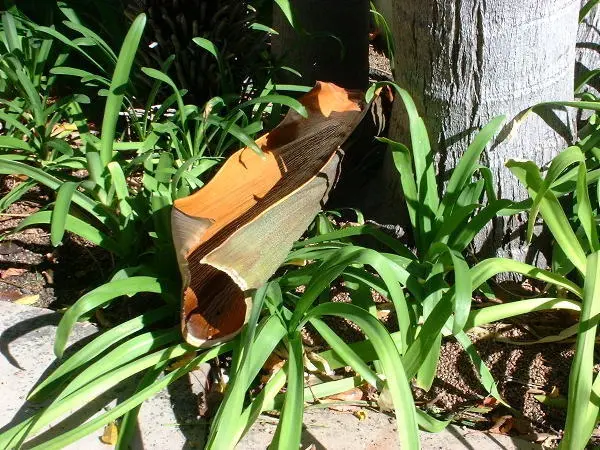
x,y
168,421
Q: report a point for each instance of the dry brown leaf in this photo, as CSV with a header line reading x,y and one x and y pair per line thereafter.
x,y
384,401
351,395
110,435
273,363
502,425
28,299
12,272
490,401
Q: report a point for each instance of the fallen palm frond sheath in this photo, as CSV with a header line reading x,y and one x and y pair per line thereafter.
x,y
233,234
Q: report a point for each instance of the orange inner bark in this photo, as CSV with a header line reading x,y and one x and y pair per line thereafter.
x,y
246,176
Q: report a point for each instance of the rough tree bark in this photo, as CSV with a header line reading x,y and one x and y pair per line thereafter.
x,y
466,61
330,42
588,46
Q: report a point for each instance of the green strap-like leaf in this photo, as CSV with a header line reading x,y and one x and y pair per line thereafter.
x,y
117,85
97,346
74,225
563,160
580,424
60,212
13,143
98,297
17,168
396,380
552,212
289,429
467,165
584,209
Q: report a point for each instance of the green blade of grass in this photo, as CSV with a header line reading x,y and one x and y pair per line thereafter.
x,y
90,34
15,194
290,102
120,186
80,73
102,383
130,350
585,10
70,43
13,143
160,76
286,8
10,32
207,45
584,210
346,353
334,266
490,267
129,423
53,183
485,376
137,398
465,235
361,230
494,313
558,165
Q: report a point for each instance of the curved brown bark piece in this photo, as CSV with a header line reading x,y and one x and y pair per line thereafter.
x,y
233,234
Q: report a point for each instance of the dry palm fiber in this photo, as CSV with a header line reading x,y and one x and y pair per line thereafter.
x,y
233,234
172,24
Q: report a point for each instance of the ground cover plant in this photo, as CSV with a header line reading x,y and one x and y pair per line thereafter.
x,y
121,201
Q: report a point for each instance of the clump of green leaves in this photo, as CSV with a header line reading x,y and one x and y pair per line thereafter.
x,y
430,291
122,204
576,252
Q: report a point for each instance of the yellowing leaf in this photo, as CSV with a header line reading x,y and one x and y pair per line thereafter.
x,y
110,435
28,299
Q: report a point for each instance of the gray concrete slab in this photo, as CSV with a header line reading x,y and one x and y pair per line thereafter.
x,y
169,422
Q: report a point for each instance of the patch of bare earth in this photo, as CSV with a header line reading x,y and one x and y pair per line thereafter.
x,y
32,271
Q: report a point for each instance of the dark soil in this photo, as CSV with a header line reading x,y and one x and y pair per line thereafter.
x,y
30,266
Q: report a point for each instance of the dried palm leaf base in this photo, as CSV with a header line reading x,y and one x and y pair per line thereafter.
x,y
233,234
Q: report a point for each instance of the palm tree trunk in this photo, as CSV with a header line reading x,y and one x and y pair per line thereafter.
x,y
467,61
